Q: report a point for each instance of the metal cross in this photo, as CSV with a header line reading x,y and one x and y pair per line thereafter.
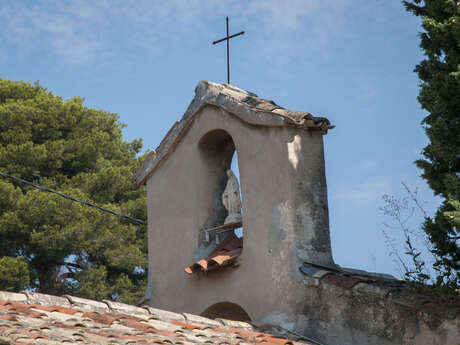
x,y
227,38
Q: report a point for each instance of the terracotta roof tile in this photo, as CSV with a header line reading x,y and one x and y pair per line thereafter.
x,y
186,325
347,279
87,304
59,309
195,319
224,254
27,322
43,299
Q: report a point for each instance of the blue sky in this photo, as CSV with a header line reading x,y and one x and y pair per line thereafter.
x,y
348,60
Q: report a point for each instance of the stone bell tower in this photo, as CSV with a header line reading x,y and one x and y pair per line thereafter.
x,y
196,263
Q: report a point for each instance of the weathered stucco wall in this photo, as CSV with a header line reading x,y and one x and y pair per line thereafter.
x,y
336,312
285,216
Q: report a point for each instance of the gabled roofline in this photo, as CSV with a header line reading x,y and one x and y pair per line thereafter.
x,y
247,106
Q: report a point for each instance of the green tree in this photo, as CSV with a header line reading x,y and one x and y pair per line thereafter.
x,y
14,274
68,247
439,95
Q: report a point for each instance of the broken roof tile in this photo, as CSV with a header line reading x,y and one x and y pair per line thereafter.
x,y
224,254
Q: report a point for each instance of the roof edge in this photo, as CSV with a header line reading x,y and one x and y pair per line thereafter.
x,y
247,106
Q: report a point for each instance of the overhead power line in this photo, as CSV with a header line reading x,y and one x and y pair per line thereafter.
x,y
49,190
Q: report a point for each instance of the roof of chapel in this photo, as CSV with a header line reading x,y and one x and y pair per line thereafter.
x,y
35,318
247,106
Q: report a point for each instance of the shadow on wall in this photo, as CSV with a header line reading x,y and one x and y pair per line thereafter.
x,y
226,310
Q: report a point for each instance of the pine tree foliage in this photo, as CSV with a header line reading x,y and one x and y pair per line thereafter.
x,y
67,247
439,95
14,274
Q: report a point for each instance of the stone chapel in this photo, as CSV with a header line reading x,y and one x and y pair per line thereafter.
x,y
281,271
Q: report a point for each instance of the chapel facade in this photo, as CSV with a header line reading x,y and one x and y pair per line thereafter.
x,y
284,211
281,272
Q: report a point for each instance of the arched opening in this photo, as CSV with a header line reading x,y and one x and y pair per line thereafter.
x,y
217,150
226,310
220,205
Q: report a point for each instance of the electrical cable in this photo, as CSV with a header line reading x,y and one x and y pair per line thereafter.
x,y
49,190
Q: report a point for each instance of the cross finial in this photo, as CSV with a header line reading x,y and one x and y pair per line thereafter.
x,y
227,38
